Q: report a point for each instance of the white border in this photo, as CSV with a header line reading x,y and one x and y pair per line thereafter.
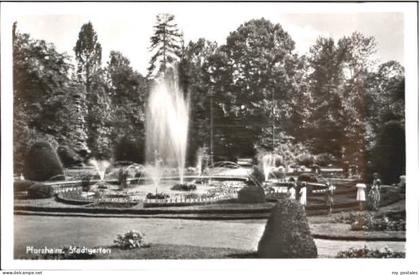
x,y
9,11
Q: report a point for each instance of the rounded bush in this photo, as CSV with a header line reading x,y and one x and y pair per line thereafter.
x,y
68,157
42,163
251,194
40,191
287,233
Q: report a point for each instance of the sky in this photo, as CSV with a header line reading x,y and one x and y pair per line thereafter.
x,y
127,28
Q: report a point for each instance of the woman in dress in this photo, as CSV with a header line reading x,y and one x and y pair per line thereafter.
x,y
302,195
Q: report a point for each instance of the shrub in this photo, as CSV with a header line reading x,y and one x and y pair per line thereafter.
x,y
184,187
287,233
42,163
369,253
130,240
251,194
388,156
305,159
68,157
257,175
191,196
128,150
158,196
325,159
40,191
86,183
370,222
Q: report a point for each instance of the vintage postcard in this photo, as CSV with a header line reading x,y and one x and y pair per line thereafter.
x,y
247,135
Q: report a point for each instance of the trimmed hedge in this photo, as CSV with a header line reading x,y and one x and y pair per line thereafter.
x,y
287,233
40,191
42,163
251,194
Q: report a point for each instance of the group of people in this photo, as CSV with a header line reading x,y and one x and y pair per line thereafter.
x,y
298,191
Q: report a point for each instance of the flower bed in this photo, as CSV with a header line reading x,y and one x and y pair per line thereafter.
x,y
369,222
74,197
130,240
369,253
184,187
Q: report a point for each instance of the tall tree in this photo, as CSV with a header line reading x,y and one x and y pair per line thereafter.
x,y
166,45
88,53
326,82
45,97
193,76
358,53
128,90
260,64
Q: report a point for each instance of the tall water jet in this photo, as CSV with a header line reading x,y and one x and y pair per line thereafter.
x,y
268,163
100,167
166,129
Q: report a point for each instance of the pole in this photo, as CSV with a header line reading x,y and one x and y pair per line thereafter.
x,y
211,128
272,112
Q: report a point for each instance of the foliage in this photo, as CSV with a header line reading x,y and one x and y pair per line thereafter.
x,y
253,82
251,194
128,149
158,196
326,134
40,191
193,80
68,157
184,187
88,53
369,253
330,106
287,233
74,197
371,222
42,163
45,98
130,240
166,43
128,90
388,155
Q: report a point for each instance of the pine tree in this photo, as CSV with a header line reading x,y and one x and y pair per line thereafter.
x,y
166,45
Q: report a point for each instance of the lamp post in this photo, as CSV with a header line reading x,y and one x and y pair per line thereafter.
x,y
211,127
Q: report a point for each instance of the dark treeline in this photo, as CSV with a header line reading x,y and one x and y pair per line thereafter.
x,y
326,107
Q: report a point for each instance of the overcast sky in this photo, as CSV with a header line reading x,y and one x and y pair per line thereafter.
x,y
128,30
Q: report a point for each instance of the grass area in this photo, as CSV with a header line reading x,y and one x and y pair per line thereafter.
x,y
171,251
152,251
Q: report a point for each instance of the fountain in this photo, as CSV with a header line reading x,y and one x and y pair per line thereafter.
x,y
268,164
100,167
166,131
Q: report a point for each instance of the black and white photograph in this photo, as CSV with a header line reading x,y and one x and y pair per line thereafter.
x,y
228,132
